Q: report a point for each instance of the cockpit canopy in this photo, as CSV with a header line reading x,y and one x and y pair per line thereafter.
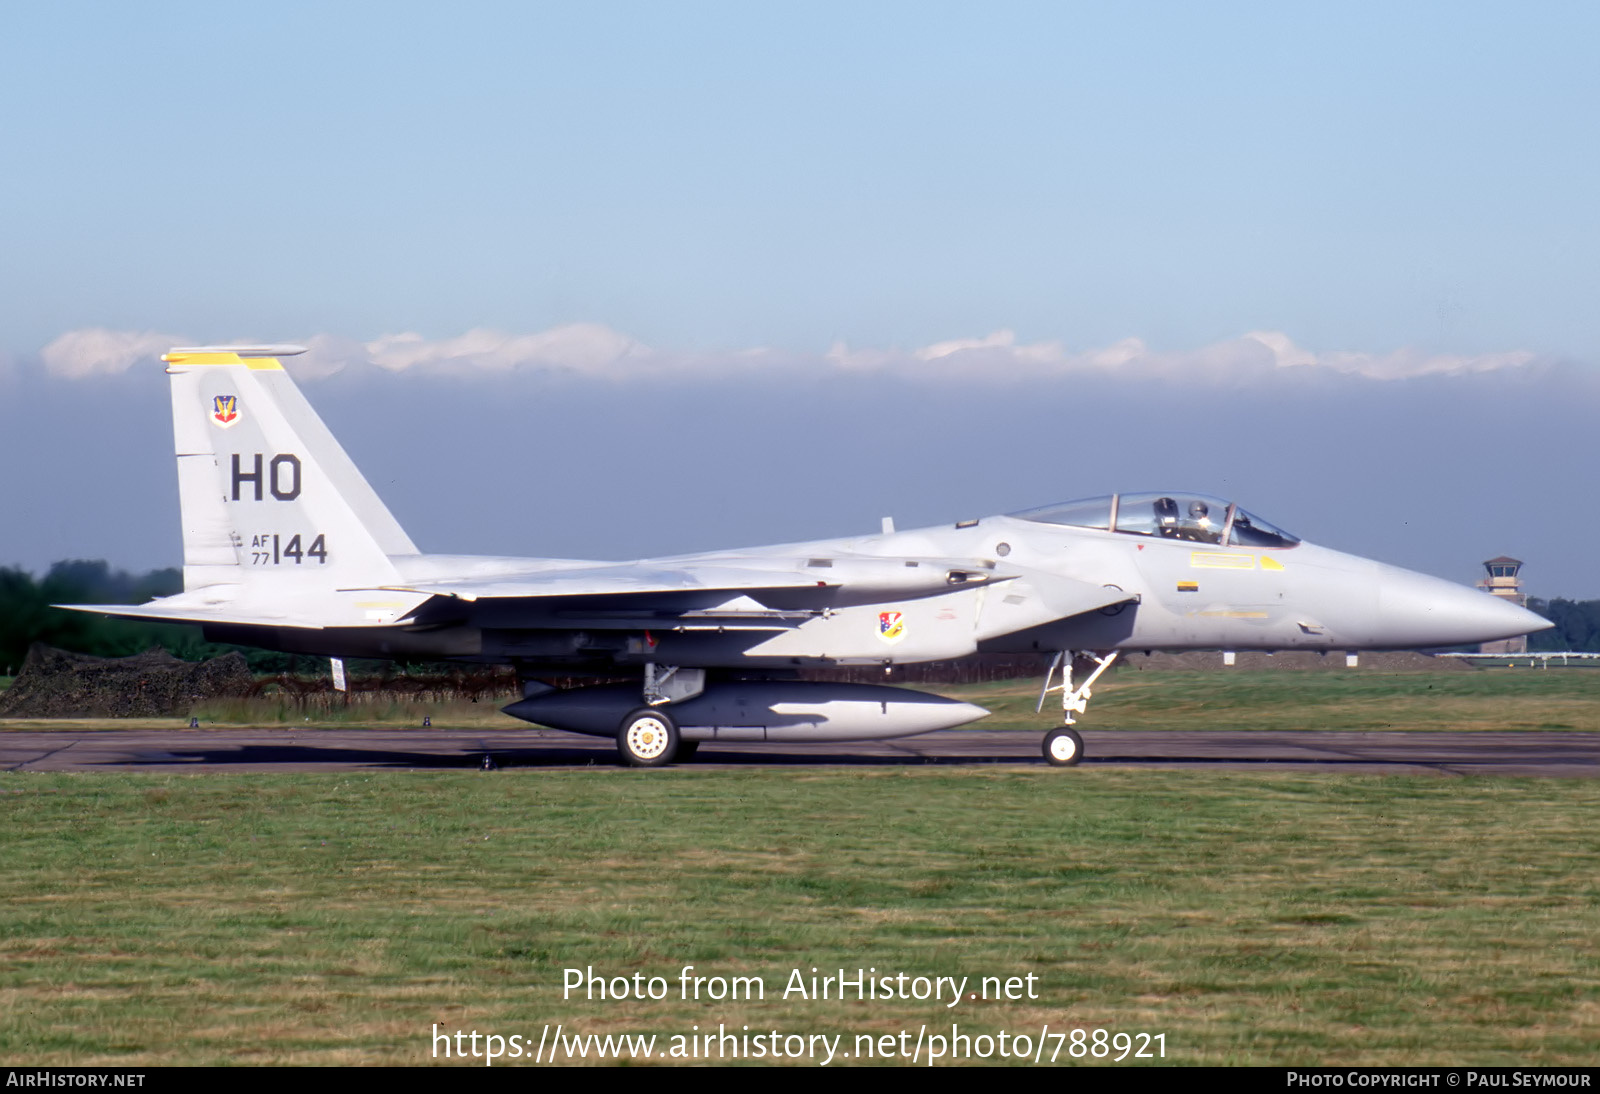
x,y
1193,517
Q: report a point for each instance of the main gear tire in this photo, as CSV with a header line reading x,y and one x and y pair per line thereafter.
x,y
648,738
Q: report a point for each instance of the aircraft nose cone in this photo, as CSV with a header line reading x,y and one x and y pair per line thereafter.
x,y
1419,611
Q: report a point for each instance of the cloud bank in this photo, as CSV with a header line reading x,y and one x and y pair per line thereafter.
x,y
596,351
82,354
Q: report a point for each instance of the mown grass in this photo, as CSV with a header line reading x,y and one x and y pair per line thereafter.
x,y
1252,918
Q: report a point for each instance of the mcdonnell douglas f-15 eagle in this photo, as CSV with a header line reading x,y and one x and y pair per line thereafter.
x,y
286,546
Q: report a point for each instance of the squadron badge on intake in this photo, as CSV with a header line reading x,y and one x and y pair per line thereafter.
x,y
891,627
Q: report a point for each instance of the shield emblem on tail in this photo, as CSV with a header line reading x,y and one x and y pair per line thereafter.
x,y
225,410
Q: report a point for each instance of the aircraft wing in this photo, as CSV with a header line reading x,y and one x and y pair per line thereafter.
x,y
619,580
615,594
806,584
620,596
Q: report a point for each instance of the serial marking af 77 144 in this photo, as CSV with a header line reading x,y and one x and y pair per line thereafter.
x,y
287,547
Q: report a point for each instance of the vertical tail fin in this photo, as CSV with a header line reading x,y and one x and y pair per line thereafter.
x,y
269,498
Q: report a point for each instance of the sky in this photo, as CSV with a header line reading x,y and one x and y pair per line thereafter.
x,y
619,280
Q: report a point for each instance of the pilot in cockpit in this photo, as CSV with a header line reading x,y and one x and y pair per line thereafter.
x,y
1200,527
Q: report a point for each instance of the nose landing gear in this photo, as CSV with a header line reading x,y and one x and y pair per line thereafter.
x,y
1063,747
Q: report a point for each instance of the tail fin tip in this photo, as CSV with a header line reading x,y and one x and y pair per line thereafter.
x,y
284,350
257,357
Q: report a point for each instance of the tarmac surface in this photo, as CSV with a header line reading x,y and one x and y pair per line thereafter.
x,y
212,751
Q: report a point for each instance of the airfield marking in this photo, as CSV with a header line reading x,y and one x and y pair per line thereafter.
x,y
243,749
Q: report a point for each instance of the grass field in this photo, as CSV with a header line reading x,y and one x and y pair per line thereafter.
x,y
1305,918
1250,918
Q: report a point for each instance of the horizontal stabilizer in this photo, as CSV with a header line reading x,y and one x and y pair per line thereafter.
x,y
158,613
241,606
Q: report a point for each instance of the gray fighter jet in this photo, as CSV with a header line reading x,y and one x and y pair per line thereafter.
x,y
287,547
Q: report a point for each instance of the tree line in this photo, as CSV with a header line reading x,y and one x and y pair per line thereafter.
x,y
1577,625
26,617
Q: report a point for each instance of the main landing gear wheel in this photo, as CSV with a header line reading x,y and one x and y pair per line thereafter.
x,y
648,738
1063,747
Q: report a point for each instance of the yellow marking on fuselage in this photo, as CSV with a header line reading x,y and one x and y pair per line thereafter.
x,y
1270,563
1212,560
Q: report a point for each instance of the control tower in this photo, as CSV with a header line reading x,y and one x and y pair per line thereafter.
x,y
1503,582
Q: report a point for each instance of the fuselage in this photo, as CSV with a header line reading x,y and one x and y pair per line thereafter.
x,y
998,584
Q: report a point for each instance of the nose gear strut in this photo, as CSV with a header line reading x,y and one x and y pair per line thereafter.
x,y
1062,745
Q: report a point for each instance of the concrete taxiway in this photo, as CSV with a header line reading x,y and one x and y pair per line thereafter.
x,y
208,751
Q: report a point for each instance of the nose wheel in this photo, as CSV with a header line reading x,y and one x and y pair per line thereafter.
x,y
1063,747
